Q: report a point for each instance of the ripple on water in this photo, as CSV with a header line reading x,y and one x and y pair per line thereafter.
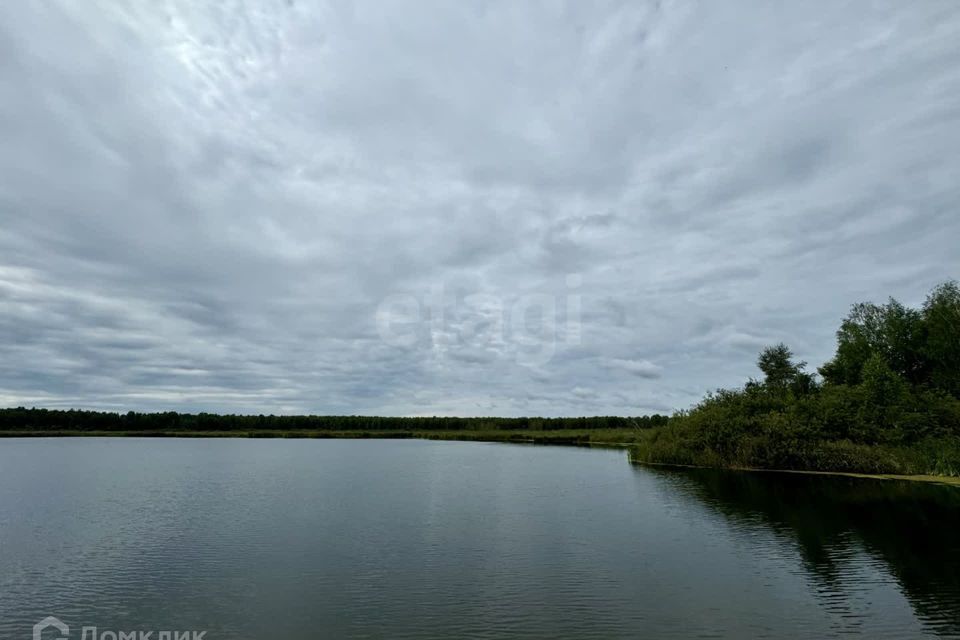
x,y
403,539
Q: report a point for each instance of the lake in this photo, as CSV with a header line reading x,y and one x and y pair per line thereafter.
x,y
299,539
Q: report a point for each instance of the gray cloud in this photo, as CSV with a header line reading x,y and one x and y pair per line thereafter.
x,y
204,207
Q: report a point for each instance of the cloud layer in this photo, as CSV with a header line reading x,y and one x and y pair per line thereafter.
x,y
459,208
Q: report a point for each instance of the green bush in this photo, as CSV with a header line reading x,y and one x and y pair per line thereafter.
x,y
889,403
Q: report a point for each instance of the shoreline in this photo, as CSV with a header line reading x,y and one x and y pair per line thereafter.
x,y
947,480
561,438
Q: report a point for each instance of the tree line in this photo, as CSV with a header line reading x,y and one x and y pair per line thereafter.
x,y
36,419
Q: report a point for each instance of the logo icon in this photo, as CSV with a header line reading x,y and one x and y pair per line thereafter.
x,y
48,622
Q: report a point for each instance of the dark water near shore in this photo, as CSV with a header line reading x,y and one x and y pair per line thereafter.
x,y
300,539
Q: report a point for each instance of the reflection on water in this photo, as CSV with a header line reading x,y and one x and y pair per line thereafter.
x,y
910,529
299,539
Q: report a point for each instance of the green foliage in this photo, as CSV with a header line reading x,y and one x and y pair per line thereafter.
x,y
890,402
941,350
922,346
777,365
891,331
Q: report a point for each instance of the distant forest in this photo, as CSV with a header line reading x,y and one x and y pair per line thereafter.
x,y
21,419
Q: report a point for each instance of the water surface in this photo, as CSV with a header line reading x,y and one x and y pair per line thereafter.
x,y
294,539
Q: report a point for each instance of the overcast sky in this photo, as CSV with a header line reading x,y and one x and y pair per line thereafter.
x,y
459,208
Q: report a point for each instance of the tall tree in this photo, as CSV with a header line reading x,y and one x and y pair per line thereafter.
x,y
778,367
892,331
941,317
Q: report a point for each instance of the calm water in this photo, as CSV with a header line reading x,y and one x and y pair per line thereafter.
x,y
412,539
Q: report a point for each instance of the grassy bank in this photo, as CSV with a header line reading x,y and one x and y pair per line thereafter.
x,y
681,445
